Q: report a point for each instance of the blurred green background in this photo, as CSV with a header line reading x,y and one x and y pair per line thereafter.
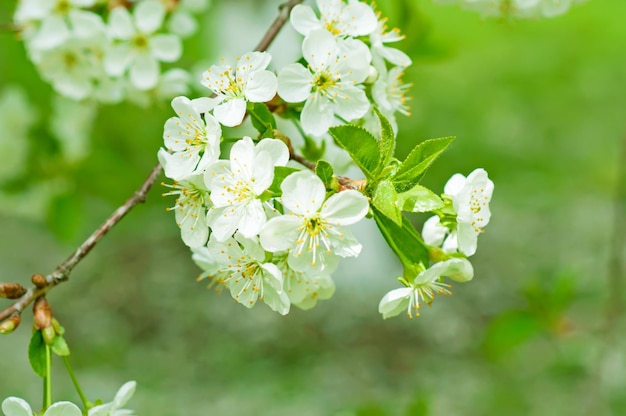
x,y
539,104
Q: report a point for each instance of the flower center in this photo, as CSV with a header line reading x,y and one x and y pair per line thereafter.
x,y
140,41
62,7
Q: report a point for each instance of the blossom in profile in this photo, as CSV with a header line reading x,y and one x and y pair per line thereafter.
x,y
352,18
424,287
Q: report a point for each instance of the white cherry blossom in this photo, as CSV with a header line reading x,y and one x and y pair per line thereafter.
x,y
380,52
424,287
470,197
250,278
14,406
114,408
330,84
192,142
314,229
236,186
140,48
248,81
353,18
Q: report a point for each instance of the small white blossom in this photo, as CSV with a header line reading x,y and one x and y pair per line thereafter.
x,y
14,406
190,209
140,48
424,287
114,408
236,186
250,278
314,230
330,83
353,18
59,21
470,197
193,142
380,52
233,87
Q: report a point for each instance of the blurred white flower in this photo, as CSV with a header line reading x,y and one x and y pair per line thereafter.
x,y
71,124
17,117
329,85
182,22
424,287
14,406
141,48
114,408
249,81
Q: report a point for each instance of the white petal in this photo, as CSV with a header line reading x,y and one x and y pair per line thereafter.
x,y
277,150
63,409
116,59
454,184
305,262
346,245
14,406
294,83
360,19
149,16
182,24
303,193
352,103
222,222
394,302
230,112
304,20
345,208
395,56
433,232
85,24
52,33
252,220
280,233
120,24
467,238
124,394
320,49
166,48
261,87
144,72
317,115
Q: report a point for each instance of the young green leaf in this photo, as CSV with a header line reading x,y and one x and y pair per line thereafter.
x,y
37,354
419,199
60,347
324,171
280,173
362,147
421,157
385,199
404,240
387,143
262,119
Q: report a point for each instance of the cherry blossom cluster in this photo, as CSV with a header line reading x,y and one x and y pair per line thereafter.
x,y
522,9
268,225
102,50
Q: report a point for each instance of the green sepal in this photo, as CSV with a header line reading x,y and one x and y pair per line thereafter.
x,y
280,173
387,143
60,347
325,172
385,199
419,199
262,119
37,354
361,146
405,242
410,171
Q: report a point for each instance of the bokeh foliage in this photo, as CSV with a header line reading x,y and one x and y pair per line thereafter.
x,y
539,104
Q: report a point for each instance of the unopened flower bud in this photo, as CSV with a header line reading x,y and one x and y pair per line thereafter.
x,y
10,324
38,280
42,313
11,290
372,75
48,335
57,327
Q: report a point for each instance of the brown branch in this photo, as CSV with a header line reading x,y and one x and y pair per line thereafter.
x,y
63,270
283,14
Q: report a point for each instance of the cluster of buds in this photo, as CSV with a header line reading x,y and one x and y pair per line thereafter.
x,y
102,51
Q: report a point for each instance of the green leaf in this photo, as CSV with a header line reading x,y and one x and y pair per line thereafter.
x,y
404,240
419,199
325,172
280,173
362,147
60,347
387,143
410,172
37,354
385,199
262,119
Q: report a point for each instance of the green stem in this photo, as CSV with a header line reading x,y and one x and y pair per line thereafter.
x,y
47,381
83,398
